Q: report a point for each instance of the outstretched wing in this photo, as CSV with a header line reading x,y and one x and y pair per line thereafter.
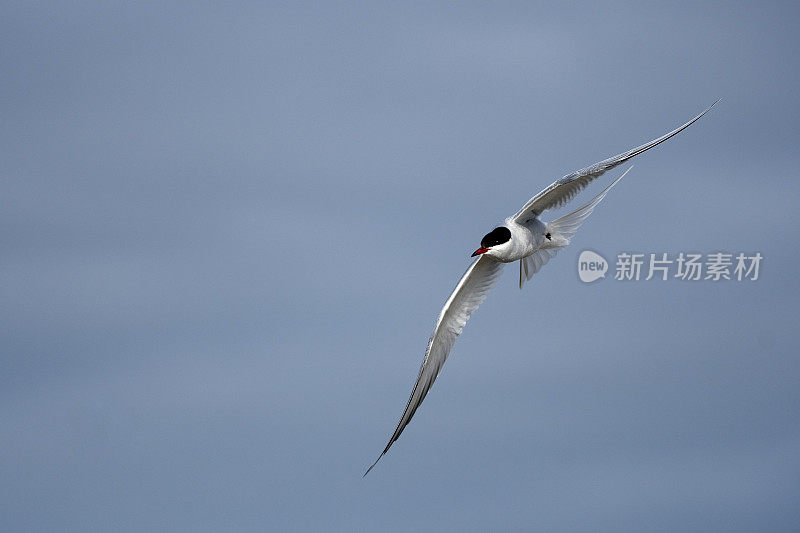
x,y
562,191
470,292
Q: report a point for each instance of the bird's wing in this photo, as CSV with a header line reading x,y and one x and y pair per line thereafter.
x,y
563,190
470,292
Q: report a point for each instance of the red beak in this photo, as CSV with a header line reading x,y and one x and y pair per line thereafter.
x,y
480,251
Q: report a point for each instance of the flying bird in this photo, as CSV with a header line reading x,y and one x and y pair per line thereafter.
x,y
522,237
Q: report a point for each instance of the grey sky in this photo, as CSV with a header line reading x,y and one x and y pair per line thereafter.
x,y
226,232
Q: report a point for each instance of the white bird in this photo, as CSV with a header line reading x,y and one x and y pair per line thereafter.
x,y
524,238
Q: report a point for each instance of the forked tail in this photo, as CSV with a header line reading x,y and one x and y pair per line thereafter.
x,y
565,227
559,233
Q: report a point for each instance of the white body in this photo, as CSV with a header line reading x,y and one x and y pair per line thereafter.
x,y
525,240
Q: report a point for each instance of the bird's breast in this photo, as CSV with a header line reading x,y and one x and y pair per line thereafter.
x,y
524,241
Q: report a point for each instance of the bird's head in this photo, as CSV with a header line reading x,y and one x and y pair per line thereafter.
x,y
494,242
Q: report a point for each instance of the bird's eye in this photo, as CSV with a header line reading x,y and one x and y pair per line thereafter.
x,y
497,236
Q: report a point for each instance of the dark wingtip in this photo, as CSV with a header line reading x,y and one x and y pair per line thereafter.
x,y
373,466
718,100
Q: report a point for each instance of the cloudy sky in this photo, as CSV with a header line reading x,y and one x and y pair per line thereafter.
x,y
226,231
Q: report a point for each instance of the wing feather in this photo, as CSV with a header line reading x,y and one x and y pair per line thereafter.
x,y
470,292
565,189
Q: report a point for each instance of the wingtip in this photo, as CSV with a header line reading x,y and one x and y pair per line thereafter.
x,y
718,100
372,466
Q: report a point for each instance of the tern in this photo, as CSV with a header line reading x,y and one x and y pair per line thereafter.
x,y
522,237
